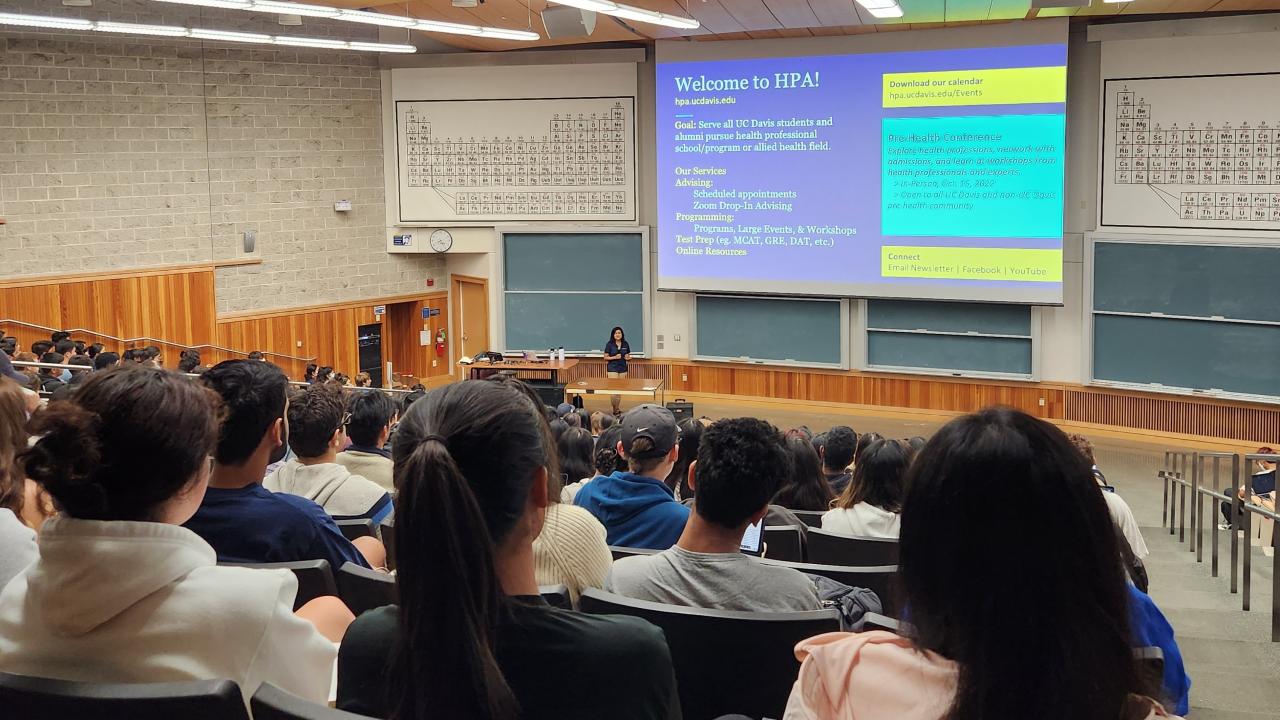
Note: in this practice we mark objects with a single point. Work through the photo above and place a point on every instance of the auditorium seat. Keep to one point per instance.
(784, 543)
(272, 703)
(881, 579)
(356, 528)
(812, 518)
(876, 621)
(725, 661)
(32, 698)
(827, 548)
(1150, 664)
(556, 596)
(362, 589)
(315, 579)
(621, 552)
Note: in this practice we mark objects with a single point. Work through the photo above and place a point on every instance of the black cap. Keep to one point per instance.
(653, 422)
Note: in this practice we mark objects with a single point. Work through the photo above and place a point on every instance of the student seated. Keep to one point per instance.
(837, 450)
(243, 521)
(1121, 515)
(871, 502)
(17, 534)
(372, 415)
(636, 508)
(121, 592)
(471, 637)
(805, 488)
(1029, 617)
(1264, 488)
(605, 461)
(740, 464)
(318, 420)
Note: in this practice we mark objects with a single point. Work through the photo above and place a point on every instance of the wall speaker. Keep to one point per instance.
(561, 21)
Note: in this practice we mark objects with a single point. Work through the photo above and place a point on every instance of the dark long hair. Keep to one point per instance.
(575, 448)
(690, 438)
(1033, 608)
(877, 477)
(127, 441)
(614, 330)
(807, 488)
(465, 459)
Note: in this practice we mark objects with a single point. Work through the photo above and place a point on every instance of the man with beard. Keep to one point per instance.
(243, 521)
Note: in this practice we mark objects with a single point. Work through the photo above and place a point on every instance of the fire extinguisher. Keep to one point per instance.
(440, 343)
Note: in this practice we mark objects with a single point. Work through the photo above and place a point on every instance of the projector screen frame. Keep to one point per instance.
(1047, 31)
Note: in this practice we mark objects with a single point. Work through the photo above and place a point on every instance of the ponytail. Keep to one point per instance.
(63, 461)
(465, 460)
(443, 666)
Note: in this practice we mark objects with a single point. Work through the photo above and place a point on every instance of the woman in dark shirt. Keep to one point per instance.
(471, 637)
(617, 352)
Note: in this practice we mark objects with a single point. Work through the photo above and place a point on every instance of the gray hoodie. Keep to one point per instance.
(332, 487)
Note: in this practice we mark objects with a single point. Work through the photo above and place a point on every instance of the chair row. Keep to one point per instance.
(822, 547)
(881, 579)
(362, 589)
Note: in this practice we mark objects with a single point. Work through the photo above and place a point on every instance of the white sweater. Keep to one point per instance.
(17, 546)
(862, 520)
(571, 549)
(135, 602)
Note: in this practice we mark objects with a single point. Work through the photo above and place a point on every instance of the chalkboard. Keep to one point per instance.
(950, 352)
(568, 261)
(567, 289)
(774, 329)
(1241, 283)
(949, 317)
(1191, 354)
(579, 322)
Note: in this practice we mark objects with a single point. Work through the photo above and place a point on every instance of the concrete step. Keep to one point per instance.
(1212, 653)
(1252, 692)
(1254, 627)
(1203, 713)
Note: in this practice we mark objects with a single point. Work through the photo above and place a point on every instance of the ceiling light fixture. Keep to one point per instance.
(277, 7)
(57, 23)
(882, 9)
(631, 12)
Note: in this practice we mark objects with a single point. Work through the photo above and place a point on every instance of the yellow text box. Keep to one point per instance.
(997, 86)
(951, 263)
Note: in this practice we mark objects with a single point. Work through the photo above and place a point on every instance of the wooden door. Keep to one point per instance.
(471, 308)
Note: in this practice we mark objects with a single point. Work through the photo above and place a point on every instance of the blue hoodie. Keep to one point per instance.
(1150, 629)
(636, 511)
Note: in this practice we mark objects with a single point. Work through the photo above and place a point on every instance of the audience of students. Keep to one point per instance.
(678, 479)
(372, 416)
(837, 447)
(242, 520)
(604, 460)
(740, 464)
(575, 448)
(471, 637)
(120, 592)
(318, 421)
(636, 507)
(871, 504)
(600, 422)
(806, 487)
(997, 630)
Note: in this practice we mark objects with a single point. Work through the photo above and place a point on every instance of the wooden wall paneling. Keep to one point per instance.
(405, 322)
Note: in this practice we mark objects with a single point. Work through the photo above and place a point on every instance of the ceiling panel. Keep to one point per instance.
(835, 13)
(793, 13)
(752, 14)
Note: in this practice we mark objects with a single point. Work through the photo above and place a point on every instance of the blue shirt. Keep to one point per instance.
(254, 525)
(636, 511)
(1149, 628)
(611, 348)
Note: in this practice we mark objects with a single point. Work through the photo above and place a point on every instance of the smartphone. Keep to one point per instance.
(753, 539)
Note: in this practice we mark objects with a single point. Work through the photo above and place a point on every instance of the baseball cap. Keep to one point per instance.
(564, 409)
(653, 422)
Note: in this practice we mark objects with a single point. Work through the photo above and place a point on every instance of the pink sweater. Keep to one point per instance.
(873, 676)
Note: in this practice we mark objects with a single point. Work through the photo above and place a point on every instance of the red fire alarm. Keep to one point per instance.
(431, 282)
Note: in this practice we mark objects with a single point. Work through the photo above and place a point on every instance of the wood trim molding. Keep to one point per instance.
(303, 309)
(91, 276)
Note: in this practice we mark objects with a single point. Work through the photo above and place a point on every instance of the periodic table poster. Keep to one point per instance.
(1192, 152)
(481, 161)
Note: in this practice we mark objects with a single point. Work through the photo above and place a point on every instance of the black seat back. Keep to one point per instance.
(1150, 665)
(32, 698)
(356, 528)
(881, 579)
(556, 596)
(828, 548)
(315, 579)
(784, 543)
(363, 589)
(272, 703)
(812, 518)
(620, 552)
(725, 661)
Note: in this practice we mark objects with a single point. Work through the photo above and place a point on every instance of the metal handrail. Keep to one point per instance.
(170, 343)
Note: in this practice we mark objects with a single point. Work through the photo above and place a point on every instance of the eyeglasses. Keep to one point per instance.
(346, 420)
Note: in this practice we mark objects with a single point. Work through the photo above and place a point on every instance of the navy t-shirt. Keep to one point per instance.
(254, 525)
(611, 348)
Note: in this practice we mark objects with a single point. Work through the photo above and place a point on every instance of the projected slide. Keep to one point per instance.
(935, 174)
